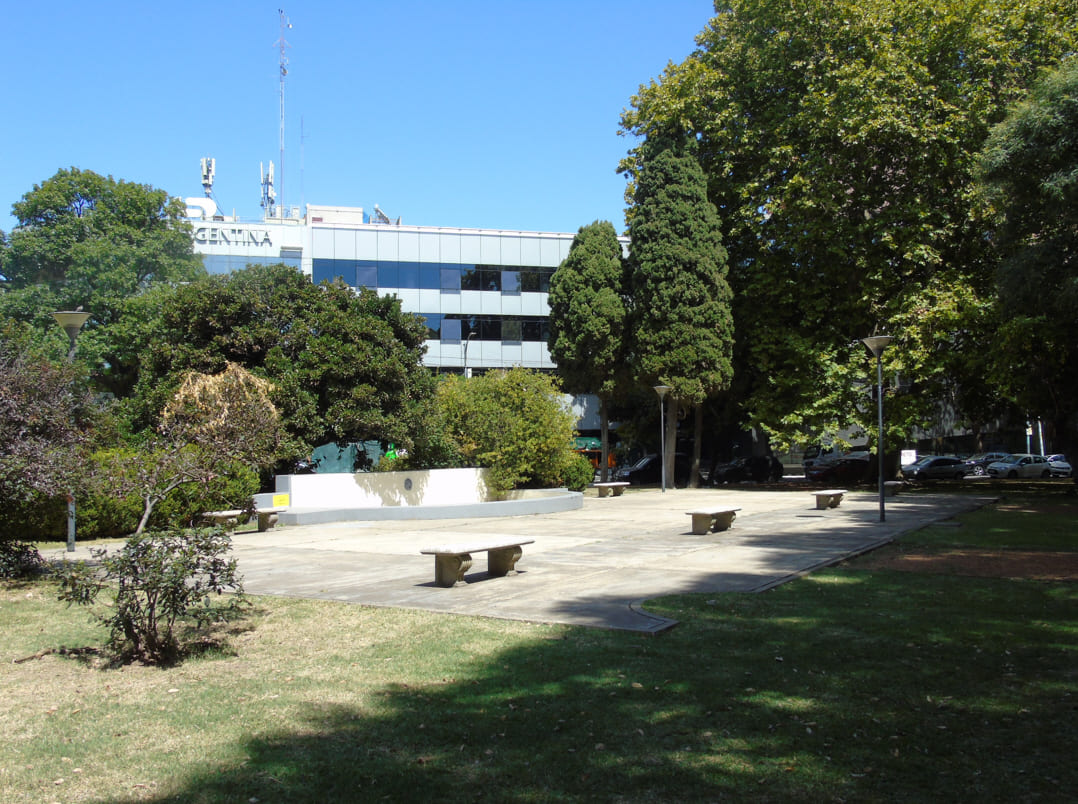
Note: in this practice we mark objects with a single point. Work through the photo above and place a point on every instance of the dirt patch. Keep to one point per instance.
(1030, 565)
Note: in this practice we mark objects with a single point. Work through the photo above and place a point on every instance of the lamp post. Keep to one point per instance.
(71, 322)
(662, 391)
(876, 344)
(468, 340)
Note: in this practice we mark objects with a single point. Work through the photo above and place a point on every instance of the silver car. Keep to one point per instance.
(1021, 464)
(1060, 465)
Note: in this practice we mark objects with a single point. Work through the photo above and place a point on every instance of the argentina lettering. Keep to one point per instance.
(214, 235)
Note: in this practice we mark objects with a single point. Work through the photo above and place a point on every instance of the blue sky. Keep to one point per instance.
(475, 113)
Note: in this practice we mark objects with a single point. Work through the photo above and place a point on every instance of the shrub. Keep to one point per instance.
(165, 585)
(578, 473)
(20, 560)
(515, 423)
(112, 503)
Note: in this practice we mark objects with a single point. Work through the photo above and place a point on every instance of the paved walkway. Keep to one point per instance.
(596, 566)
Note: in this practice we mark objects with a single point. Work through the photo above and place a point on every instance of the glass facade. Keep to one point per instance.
(446, 277)
(482, 292)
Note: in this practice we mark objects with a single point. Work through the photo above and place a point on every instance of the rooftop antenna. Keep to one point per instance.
(209, 167)
(269, 195)
(282, 46)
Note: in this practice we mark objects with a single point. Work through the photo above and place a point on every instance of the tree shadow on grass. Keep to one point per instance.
(843, 686)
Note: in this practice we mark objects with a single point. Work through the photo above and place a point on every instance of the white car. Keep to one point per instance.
(1021, 465)
(1060, 465)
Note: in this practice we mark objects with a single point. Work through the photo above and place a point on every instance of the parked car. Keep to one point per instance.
(1059, 466)
(649, 470)
(760, 468)
(978, 464)
(816, 455)
(934, 467)
(732, 472)
(846, 471)
(1021, 464)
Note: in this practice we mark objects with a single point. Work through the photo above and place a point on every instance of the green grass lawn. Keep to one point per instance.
(847, 685)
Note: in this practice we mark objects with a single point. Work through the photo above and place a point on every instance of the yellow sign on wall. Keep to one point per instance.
(280, 500)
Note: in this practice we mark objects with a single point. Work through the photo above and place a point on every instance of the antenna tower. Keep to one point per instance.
(282, 46)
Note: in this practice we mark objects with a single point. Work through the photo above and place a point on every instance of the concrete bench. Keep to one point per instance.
(267, 517)
(892, 487)
(714, 519)
(451, 561)
(829, 498)
(615, 486)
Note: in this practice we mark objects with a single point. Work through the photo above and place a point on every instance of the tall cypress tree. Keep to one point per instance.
(682, 328)
(587, 319)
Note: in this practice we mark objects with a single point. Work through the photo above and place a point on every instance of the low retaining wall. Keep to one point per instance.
(430, 494)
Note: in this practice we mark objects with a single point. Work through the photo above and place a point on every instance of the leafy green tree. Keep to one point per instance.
(838, 140)
(344, 366)
(210, 424)
(587, 320)
(682, 329)
(1030, 170)
(91, 241)
(514, 423)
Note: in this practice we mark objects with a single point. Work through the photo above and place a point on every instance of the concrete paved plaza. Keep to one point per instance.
(595, 566)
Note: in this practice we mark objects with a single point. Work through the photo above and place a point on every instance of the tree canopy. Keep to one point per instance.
(344, 366)
(1030, 171)
(838, 140)
(93, 242)
(588, 338)
(682, 329)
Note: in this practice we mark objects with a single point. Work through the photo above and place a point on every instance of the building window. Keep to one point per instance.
(366, 274)
(511, 330)
(450, 280)
(511, 283)
(450, 330)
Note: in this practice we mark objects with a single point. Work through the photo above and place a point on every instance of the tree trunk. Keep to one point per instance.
(697, 437)
(604, 438)
(671, 440)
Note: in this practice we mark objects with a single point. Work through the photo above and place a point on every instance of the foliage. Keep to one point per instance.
(587, 319)
(92, 242)
(345, 367)
(165, 584)
(44, 414)
(210, 424)
(20, 560)
(515, 423)
(578, 473)
(682, 329)
(838, 142)
(1030, 172)
(113, 501)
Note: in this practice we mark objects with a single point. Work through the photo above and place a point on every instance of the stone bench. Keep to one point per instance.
(451, 561)
(714, 519)
(892, 487)
(615, 486)
(267, 517)
(829, 498)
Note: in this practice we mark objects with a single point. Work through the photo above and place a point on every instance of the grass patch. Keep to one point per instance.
(848, 685)
(1016, 522)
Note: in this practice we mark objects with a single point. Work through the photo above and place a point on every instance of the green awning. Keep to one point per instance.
(587, 442)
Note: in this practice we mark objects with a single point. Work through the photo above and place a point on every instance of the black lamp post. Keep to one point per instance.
(876, 344)
(71, 322)
(662, 391)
